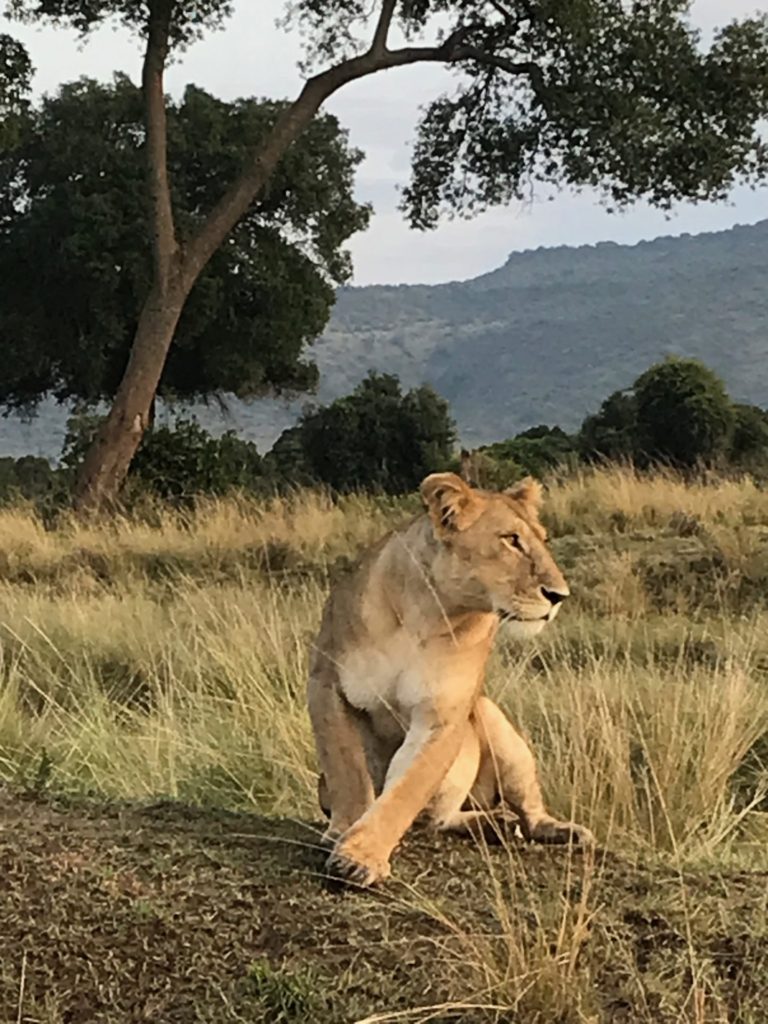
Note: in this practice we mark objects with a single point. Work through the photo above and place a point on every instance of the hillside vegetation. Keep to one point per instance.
(162, 657)
(542, 339)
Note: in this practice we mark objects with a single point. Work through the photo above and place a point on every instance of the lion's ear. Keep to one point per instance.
(451, 503)
(529, 492)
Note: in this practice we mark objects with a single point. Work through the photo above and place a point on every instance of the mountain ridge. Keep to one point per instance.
(542, 338)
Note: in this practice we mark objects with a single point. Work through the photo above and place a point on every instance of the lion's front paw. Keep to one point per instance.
(356, 859)
(561, 833)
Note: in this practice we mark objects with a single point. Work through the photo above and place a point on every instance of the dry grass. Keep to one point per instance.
(597, 499)
(219, 536)
(165, 654)
(144, 655)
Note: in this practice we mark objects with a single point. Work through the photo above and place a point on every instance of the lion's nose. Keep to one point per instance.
(554, 596)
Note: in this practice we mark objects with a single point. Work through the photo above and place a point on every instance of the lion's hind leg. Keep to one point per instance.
(507, 765)
(345, 787)
(484, 817)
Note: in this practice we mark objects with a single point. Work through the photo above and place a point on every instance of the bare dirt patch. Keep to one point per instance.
(169, 914)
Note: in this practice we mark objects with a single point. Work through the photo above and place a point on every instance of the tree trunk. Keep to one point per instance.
(107, 461)
(106, 464)
(176, 268)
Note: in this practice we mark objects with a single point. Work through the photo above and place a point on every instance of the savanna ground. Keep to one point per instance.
(158, 825)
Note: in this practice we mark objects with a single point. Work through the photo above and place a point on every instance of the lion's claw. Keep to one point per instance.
(348, 870)
(350, 861)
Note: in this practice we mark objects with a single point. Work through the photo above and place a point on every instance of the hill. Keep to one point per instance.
(543, 338)
(551, 333)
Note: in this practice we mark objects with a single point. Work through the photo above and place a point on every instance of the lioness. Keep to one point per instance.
(400, 722)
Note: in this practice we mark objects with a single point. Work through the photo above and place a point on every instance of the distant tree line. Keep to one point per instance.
(677, 414)
(380, 438)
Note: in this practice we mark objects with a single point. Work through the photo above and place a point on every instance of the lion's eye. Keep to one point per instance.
(512, 540)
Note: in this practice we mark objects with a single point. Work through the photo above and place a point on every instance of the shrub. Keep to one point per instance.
(376, 439)
(749, 443)
(611, 433)
(185, 459)
(178, 461)
(677, 412)
(32, 479)
(684, 414)
(536, 452)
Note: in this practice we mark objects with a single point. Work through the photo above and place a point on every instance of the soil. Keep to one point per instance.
(171, 914)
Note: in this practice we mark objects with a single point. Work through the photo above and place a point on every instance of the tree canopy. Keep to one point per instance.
(678, 412)
(684, 414)
(77, 177)
(603, 93)
(188, 20)
(15, 79)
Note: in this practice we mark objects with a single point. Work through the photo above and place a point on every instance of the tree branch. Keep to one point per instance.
(164, 245)
(294, 119)
(512, 67)
(379, 44)
(502, 10)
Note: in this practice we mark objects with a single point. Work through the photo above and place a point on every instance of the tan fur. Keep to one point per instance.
(395, 691)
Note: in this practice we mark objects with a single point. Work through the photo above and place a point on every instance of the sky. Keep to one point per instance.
(252, 57)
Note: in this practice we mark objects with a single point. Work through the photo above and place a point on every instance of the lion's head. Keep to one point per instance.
(492, 551)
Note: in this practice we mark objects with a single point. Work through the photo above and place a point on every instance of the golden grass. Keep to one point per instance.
(198, 696)
(165, 653)
(155, 654)
(218, 534)
(594, 499)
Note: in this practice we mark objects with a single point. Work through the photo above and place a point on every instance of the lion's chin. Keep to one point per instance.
(523, 629)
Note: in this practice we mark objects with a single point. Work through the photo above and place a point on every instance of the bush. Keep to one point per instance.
(749, 443)
(178, 461)
(611, 433)
(376, 439)
(535, 452)
(684, 414)
(183, 460)
(677, 412)
(32, 479)
(287, 463)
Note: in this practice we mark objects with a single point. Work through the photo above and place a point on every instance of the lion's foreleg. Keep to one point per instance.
(413, 778)
(346, 785)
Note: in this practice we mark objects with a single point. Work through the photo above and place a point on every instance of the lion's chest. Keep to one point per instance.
(387, 684)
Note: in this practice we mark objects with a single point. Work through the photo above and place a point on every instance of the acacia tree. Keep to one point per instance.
(76, 175)
(601, 93)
